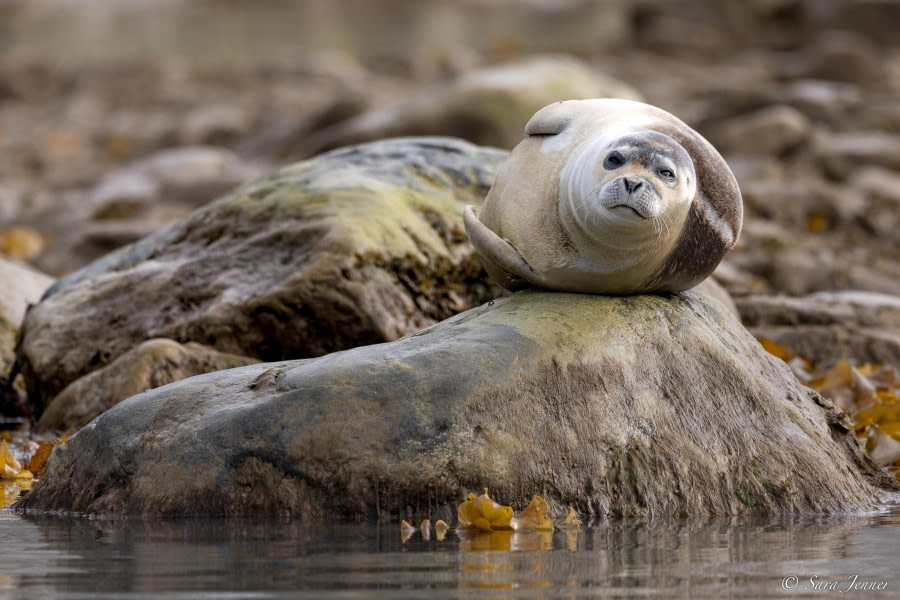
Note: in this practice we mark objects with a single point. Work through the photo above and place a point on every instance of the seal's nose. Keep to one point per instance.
(631, 184)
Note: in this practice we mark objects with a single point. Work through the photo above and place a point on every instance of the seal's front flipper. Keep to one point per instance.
(501, 260)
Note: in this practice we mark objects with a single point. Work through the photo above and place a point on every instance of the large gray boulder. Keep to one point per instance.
(639, 405)
(358, 246)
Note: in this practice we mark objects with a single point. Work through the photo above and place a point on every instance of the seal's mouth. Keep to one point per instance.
(627, 210)
(630, 198)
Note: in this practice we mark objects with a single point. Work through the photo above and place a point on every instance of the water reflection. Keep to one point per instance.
(89, 558)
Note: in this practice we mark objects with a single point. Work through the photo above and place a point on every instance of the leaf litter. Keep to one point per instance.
(868, 393)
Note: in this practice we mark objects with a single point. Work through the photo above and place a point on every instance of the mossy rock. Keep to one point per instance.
(357, 246)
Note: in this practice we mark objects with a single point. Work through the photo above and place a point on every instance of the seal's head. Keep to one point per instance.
(608, 196)
(632, 189)
(645, 173)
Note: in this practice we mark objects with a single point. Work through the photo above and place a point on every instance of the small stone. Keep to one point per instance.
(149, 365)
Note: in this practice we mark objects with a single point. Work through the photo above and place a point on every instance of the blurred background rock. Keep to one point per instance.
(117, 117)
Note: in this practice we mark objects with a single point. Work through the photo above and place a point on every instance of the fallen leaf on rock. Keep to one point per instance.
(534, 517)
(837, 384)
(571, 521)
(38, 462)
(482, 513)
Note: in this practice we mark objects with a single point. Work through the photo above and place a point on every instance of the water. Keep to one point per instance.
(54, 557)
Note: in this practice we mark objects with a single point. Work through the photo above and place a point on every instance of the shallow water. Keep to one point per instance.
(52, 557)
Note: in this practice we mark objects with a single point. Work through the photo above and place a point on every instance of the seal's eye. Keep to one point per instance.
(614, 160)
(667, 174)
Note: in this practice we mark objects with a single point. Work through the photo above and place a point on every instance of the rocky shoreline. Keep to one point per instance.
(184, 245)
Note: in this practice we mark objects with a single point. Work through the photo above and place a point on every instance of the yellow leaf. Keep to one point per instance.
(7, 472)
(837, 384)
(892, 429)
(406, 531)
(24, 474)
(571, 519)
(9, 461)
(21, 243)
(483, 513)
(817, 222)
(776, 349)
(534, 516)
(440, 528)
(38, 462)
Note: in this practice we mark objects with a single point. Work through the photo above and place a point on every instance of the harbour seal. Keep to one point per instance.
(607, 197)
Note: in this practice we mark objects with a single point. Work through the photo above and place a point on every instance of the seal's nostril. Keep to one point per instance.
(631, 184)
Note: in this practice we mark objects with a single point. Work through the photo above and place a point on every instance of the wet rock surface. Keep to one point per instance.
(619, 406)
(358, 246)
